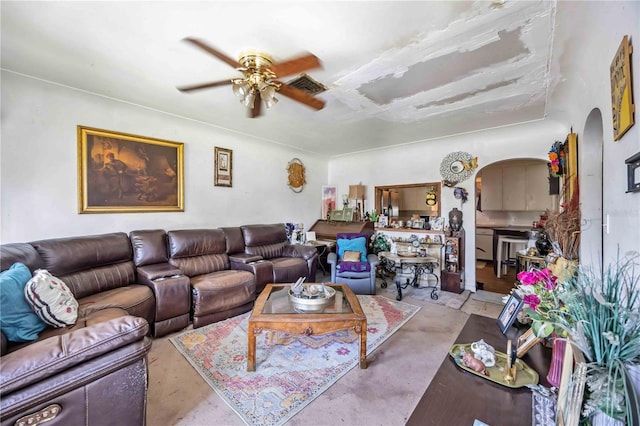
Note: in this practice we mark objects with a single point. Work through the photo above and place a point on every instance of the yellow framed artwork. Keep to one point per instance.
(622, 106)
(124, 173)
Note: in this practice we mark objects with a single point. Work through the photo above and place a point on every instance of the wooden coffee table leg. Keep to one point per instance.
(251, 348)
(363, 343)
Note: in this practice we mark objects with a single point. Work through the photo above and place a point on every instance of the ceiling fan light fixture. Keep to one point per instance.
(240, 88)
(249, 99)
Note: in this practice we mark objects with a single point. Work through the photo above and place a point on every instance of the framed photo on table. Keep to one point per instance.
(526, 342)
(125, 173)
(223, 167)
(509, 312)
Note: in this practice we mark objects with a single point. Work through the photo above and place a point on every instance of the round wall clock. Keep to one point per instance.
(457, 166)
(296, 175)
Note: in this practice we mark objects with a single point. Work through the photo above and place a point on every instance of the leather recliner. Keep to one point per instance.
(269, 244)
(217, 291)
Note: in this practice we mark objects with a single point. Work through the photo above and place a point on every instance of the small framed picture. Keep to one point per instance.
(526, 342)
(336, 215)
(418, 224)
(223, 167)
(347, 214)
(509, 312)
(383, 221)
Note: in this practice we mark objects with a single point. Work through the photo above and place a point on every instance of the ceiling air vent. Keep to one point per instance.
(307, 84)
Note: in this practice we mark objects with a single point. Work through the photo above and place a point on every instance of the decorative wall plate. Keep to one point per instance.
(296, 175)
(457, 166)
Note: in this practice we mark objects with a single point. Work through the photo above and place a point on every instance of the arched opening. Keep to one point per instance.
(511, 195)
(590, 178)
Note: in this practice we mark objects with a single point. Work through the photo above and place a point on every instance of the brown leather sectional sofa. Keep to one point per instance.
(130, 287)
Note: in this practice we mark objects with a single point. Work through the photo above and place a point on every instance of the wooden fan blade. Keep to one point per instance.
(300, 96)
(256, 110)
(204, 85)
(295, 65)
(202, 45)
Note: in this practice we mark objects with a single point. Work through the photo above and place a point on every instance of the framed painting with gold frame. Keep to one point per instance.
(223, 174)
(125, 173)
(622, 106)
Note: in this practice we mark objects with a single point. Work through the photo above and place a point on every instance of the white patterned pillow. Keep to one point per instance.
(51, 299)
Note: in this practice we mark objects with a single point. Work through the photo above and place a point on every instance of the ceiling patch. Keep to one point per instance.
(445, 69)
(463, 96)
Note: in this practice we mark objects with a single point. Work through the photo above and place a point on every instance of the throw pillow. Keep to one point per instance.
(51, 299)
(354, 244)
(351, 256)
(17, 320)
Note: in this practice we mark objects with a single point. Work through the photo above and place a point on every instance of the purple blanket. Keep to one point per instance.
(354, 267)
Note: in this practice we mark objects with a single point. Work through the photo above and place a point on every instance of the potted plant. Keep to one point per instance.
(601, 317)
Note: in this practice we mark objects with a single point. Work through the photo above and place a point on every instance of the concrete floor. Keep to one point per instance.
(384, 394)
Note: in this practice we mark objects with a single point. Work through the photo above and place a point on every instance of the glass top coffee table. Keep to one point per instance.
(274, 310)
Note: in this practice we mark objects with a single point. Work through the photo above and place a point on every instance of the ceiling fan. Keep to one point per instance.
(259, 83)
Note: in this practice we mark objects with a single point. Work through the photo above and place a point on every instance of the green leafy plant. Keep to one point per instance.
(602, 320)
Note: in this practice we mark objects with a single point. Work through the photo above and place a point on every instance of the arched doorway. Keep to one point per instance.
(590, 177)
(510, 196)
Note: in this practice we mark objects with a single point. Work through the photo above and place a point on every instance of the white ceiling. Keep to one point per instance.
(396, 72)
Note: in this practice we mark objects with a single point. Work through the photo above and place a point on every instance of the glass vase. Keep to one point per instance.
(557, 355)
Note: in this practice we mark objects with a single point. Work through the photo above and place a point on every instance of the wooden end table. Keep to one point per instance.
(273, 311)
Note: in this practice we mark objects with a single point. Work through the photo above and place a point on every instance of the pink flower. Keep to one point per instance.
(528, 277)
(532, 300)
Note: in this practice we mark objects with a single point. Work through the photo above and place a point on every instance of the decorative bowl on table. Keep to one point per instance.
(314, 298)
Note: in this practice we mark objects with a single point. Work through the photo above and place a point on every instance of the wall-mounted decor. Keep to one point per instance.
(123, 173)
(633, 173)
(223, 174)
(296, 179)
(457, 167)
(622, 106)
(329, 200)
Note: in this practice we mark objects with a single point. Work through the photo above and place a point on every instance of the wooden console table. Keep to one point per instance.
(457, 397)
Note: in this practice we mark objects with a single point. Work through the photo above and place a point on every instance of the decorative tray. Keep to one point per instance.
(312, 299)
(525, 375)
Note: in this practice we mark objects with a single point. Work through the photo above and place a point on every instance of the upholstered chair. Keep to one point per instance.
(352, 263)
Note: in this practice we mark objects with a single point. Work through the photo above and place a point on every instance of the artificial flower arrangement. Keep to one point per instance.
(540, 291)
(556, 158)
(601, 317)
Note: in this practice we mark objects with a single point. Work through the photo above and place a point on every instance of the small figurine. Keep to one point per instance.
(474, 364)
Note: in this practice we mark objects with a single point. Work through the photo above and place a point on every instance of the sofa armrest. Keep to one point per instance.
(262, 270)
(51, 356)
(299, 250)
(244, 258)
(149, 273)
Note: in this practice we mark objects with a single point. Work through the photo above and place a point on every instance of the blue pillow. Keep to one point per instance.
(17, 320)
(359, 244)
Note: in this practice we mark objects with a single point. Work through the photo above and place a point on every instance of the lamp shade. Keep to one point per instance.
(356, 192)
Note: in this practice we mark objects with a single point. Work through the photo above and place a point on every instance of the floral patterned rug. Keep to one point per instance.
(291, 370)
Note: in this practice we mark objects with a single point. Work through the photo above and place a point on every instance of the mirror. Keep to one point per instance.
(402, 201)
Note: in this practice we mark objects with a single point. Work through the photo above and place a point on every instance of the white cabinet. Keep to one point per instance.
(484, 244)
(491, 189)
(537, 196)
(522, 187)
(513, 188)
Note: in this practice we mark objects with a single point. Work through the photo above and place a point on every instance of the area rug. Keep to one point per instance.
(290, 370)
(446, 298)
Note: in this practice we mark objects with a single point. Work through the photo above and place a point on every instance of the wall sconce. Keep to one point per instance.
(356, 192)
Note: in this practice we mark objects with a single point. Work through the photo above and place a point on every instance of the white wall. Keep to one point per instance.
(420, 162)
(38, 158)
(600, 27)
